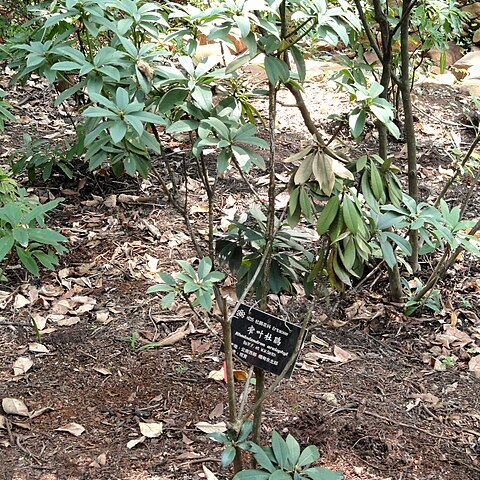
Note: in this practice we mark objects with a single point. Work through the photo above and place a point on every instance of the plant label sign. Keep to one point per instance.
(265, 341)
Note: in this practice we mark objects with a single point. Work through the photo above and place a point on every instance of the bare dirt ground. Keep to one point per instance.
(399, 404)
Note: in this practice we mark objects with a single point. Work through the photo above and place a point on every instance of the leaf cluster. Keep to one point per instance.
(189, 282)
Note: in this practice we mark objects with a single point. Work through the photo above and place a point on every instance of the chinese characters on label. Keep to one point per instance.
(263, 340)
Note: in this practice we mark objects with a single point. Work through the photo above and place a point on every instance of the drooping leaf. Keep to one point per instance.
(323, 171)
(328, 215)
(309, 455)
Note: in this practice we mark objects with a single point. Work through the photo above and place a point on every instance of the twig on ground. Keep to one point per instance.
(406, 425)
(441, 120)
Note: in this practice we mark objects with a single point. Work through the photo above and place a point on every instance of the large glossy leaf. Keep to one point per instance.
(227, 456)
(328, 215)
(351, 215)
(293, 449)
(251, 475)
(262, 458)
(319, 473)
(280, 449)
(309, 455)
(277, 70)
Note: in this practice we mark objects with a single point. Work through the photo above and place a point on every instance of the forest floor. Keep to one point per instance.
(383, 396)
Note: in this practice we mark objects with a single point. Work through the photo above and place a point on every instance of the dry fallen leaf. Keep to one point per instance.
(217, 411)
(110, 201)
(174, 337)
(20, 301)
(474, 365)
(343, 355)
(209, 475)
(3, 422)
(211, 427)
(39, 321)
(22, 365)
(427, 397)
(240, 375)
(135, 442)
(37, 348)
(74, 428)
(102, 370)
(40, 411)
(199, 347)
(102, 317)
(217, 375)
(13, 406)
(151, 430)
(318, 341)
(453, 337)
(68, 321)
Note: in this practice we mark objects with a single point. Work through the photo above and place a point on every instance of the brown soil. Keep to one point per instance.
(387, 413)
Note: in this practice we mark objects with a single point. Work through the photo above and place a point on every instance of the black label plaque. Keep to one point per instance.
(262, 340)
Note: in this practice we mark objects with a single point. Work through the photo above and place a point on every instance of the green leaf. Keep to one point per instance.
(48, 260)
(191, 287)
(376, 181)
(356, 122)
(403, 243)
(167, 278)
(277, 70)
(328, 215)
(187, 267)
(6, 244)
(46, 236)
(299, 62)
(388, 253)
(160, 287)
(262, 458)
(173, 97)
(351, 215)
(20, 234)
(280, 475)
(243, 24)
(219, 437)
(237, 63)
(280, 449)
(306, 204)
(215, 277)
(182, 126)
(228, 456)
(251, 475)
(293, 449)
(245, 431)
(309, 455)
(204, 267)
(205, 299)
(168, 300)
(382, 113)
(393, 129)
(203, 97)
(118, 131)
(28, 261)
(319, 473)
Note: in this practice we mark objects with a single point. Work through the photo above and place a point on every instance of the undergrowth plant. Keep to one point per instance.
(24, 235)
